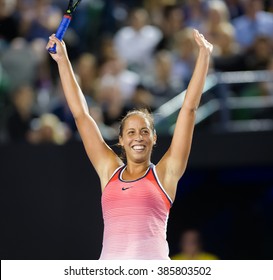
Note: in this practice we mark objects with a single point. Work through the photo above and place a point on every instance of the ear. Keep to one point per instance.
(155, 138)
(120, 141)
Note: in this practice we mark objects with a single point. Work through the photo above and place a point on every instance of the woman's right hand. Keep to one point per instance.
(61, 52)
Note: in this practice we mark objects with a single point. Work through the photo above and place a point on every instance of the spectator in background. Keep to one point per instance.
(195, 13)
(224, 41)
(235, 8)
(38, 19)
(191, 247)
(227, 55)
(125, 79)
(155, 8)
(136, 43)
(59, 107)
(21, 114)
(110, 99)
(257, 57)
(86, 69)
(9, 27)
(87, 27)
(184, 55)
(107, 132)
(48, 129)
(255, 22)
(107, 50)
(44, 82)
(172, 22)
(20, 63)
(217, 13)
(142, 98)
(163, 83)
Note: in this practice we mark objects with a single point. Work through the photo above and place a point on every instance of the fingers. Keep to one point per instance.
(200, 36)
(52, 41)
(197, 34)
(201, 40)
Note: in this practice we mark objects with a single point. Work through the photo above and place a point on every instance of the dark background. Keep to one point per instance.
(50, 198)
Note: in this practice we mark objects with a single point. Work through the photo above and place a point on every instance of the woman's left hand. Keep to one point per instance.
(202, 42)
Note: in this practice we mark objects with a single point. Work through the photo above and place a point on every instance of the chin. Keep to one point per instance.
(140, 159)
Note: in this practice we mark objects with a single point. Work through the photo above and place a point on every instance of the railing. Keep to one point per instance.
(222, 102)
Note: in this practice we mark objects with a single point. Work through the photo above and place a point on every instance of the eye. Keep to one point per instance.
(130, 132)
(145, 131)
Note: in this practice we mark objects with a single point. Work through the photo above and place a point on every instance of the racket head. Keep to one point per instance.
(72, 5)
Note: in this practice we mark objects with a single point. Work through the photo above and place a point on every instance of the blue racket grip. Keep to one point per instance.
(61, 31)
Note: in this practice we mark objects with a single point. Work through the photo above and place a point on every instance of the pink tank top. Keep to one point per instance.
(135, 217)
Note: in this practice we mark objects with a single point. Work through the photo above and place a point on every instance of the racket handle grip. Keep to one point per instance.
(61, 31)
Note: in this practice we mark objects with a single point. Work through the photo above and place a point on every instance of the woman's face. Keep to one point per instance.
(137, 139)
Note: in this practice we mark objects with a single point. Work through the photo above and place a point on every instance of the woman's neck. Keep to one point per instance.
(135, 170)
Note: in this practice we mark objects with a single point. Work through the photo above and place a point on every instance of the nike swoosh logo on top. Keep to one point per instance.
(126, 188)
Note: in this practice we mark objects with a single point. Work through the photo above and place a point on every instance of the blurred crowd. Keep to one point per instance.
(190, 247)
(126, 54)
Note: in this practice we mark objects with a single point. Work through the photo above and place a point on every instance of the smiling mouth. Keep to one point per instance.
(138, 148)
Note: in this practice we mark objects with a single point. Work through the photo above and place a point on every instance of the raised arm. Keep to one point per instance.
(173, 164)
(104, 160)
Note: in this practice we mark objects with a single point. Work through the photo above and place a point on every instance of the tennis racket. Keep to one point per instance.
(72, 5)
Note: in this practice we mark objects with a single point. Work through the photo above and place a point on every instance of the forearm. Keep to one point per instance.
(74, 96)
(196, 85)
(175, 160)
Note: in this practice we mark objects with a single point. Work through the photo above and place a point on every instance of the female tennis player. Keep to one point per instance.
(136, 195)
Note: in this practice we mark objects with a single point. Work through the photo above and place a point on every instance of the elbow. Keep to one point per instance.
(190, 106)
(191, 110)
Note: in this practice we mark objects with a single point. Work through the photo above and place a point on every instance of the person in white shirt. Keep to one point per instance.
(135, 43)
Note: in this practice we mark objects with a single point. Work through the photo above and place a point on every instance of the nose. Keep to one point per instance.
(139, 137)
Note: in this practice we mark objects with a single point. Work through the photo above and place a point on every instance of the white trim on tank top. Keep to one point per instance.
(160, 185)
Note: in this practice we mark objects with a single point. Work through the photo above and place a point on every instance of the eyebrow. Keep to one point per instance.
(146, 127)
